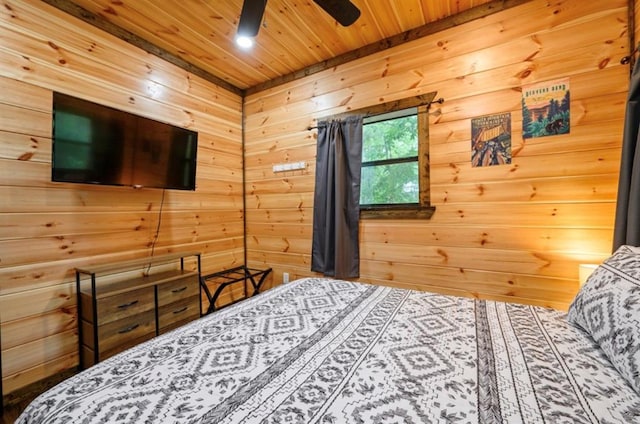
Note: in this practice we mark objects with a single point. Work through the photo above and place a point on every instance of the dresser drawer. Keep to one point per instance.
(175, 314)
(113, 308)
(115, 334)
(178, 290)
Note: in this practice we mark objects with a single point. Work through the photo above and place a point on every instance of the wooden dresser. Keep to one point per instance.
(125, 303)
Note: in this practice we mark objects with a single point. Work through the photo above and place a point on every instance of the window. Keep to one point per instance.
(390, 174)
(395, 169)
(395, 158)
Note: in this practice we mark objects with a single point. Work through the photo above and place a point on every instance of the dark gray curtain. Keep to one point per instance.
(627, 224)
(336, 210)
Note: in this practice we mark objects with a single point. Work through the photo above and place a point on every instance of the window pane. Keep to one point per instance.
(390, 184)
(391, 139)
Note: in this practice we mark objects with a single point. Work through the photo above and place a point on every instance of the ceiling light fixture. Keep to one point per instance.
(244, 42)
(250, 20)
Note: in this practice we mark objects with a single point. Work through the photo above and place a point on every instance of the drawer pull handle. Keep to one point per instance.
(181, 310)
(179, 290)
(129, 329)
(126, 305)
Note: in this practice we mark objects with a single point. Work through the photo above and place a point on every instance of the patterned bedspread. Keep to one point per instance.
(328, 351)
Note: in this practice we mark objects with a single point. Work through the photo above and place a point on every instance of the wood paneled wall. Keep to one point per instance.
(513, 232)
(47, 229)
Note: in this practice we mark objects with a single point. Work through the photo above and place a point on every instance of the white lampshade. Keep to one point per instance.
(584, 271)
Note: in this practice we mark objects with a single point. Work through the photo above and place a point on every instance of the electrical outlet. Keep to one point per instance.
(285, 277)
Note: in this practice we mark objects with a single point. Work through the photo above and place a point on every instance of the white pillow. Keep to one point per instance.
(607, 307)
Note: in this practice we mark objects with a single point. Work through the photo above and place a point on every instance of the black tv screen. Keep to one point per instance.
(96, 144)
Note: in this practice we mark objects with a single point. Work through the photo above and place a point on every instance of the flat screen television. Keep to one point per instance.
(95, 144)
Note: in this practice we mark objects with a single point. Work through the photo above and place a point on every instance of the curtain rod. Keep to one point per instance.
(439, 101)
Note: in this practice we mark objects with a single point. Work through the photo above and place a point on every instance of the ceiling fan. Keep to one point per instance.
(342, 11)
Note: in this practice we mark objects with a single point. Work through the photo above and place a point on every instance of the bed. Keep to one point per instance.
(328, 351)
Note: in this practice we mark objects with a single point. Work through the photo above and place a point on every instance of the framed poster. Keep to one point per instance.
(546, 109)
(491, 140)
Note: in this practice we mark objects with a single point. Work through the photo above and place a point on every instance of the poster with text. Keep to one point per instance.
(545, 109)
(491, 140)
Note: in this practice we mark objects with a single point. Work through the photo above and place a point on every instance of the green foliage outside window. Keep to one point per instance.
(390, 173)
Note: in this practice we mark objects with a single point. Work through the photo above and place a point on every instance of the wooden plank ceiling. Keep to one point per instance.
(297, 36)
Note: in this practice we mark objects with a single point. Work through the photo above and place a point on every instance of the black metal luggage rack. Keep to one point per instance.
(230, 276)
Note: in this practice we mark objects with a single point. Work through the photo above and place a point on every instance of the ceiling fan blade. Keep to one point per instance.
(342, 11)
(251, 17)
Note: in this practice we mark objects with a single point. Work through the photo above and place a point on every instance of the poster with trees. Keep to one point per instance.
(545, 108)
